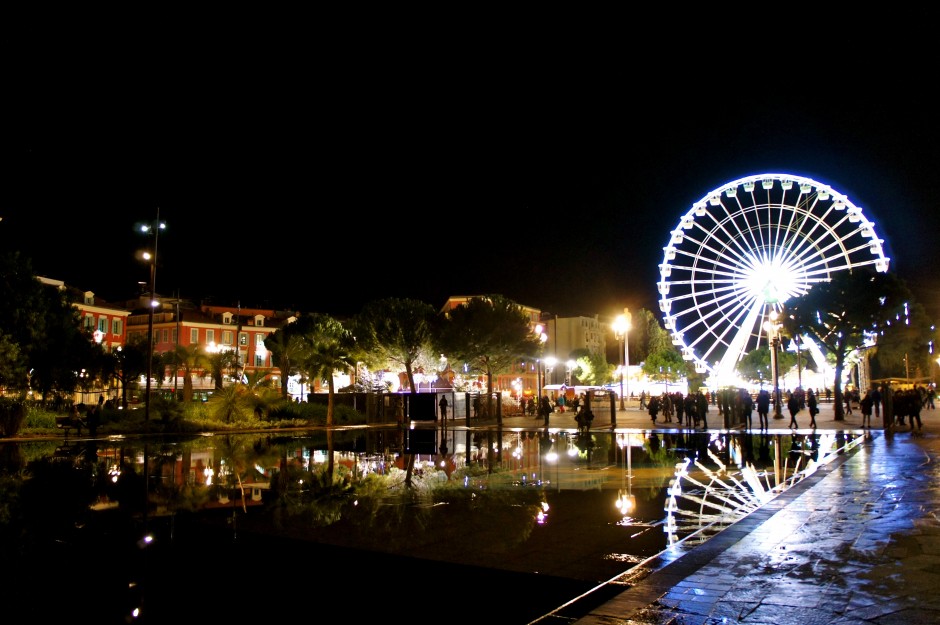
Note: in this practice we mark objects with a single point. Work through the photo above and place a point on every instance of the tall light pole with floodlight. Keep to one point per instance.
(154, 230)
(542, 337)
(621, 328)
(773, 333)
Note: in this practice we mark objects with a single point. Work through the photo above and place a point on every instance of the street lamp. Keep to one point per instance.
(538, 363)
(773, 333)
(152, 229)
(550, 362)
(621, 327)
(799, 365)
(569, 366)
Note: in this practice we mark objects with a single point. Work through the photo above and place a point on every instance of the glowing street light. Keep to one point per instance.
(151, 257)
(621, 327)
(569, 367)
(773, 334)
(542, 337)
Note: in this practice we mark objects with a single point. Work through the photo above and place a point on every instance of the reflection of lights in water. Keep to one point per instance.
(552, 455)
(542, 517)
(716, 498)
(626, 501)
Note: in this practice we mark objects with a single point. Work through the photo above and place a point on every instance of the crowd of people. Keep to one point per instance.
(738, 405)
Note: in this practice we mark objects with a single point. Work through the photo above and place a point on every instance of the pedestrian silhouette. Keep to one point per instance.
(443, 405)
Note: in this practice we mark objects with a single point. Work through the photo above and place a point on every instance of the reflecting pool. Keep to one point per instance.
(371, 523)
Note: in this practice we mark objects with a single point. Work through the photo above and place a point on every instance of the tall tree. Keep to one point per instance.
(287, 349)
(44, 326)
(127, 364)
(838, 314)
(489, 334)
(330, 347)
(905, 350)
(396, 331)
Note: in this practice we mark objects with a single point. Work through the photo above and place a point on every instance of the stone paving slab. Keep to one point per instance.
(856, 542)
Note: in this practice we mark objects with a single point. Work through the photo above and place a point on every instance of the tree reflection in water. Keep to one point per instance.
(533, 509)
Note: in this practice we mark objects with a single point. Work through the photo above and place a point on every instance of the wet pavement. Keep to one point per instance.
(858, 541)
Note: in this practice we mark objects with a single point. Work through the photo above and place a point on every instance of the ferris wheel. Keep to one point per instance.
(745, 248)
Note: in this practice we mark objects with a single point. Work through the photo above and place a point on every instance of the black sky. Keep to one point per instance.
(323, 190)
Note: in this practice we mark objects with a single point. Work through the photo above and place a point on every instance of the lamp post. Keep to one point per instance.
(550, 362)
(542, 337)
(153, 229)
(773, 333)
(799, 365)
(621, 327)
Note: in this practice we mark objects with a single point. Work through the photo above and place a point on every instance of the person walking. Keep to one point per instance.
(443, 406)
(545, 408)
(876, 403)
(763, 409)
(702, 403)
(666, 404)
(868, 401)
(793, 405)
(653, 407)
(691, 411)
(811, 403)
(747, 407)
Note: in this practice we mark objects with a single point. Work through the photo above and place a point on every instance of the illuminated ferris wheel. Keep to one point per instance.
(742, 250)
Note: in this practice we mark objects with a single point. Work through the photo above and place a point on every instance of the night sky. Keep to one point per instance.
(323, 191)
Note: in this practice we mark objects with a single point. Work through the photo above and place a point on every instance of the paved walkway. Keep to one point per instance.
(856, 542)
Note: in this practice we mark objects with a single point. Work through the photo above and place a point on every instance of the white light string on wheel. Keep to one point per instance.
(743, 250)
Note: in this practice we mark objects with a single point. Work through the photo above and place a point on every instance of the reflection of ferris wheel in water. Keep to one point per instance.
(743, 250)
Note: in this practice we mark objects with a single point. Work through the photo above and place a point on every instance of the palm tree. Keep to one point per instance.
(218, 363)
(287, 349)
(262, 394)
(328, 347)
(190, 358)
(229, 404)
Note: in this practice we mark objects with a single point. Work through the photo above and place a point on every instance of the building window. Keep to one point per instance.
(259, 339)
(89, 323)
(210, 337)
(194, 336)
(166, 335)
(243, 338)
(116, 327)
(259, 361)
(226, 337)
(103, 325)
(173, 335)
